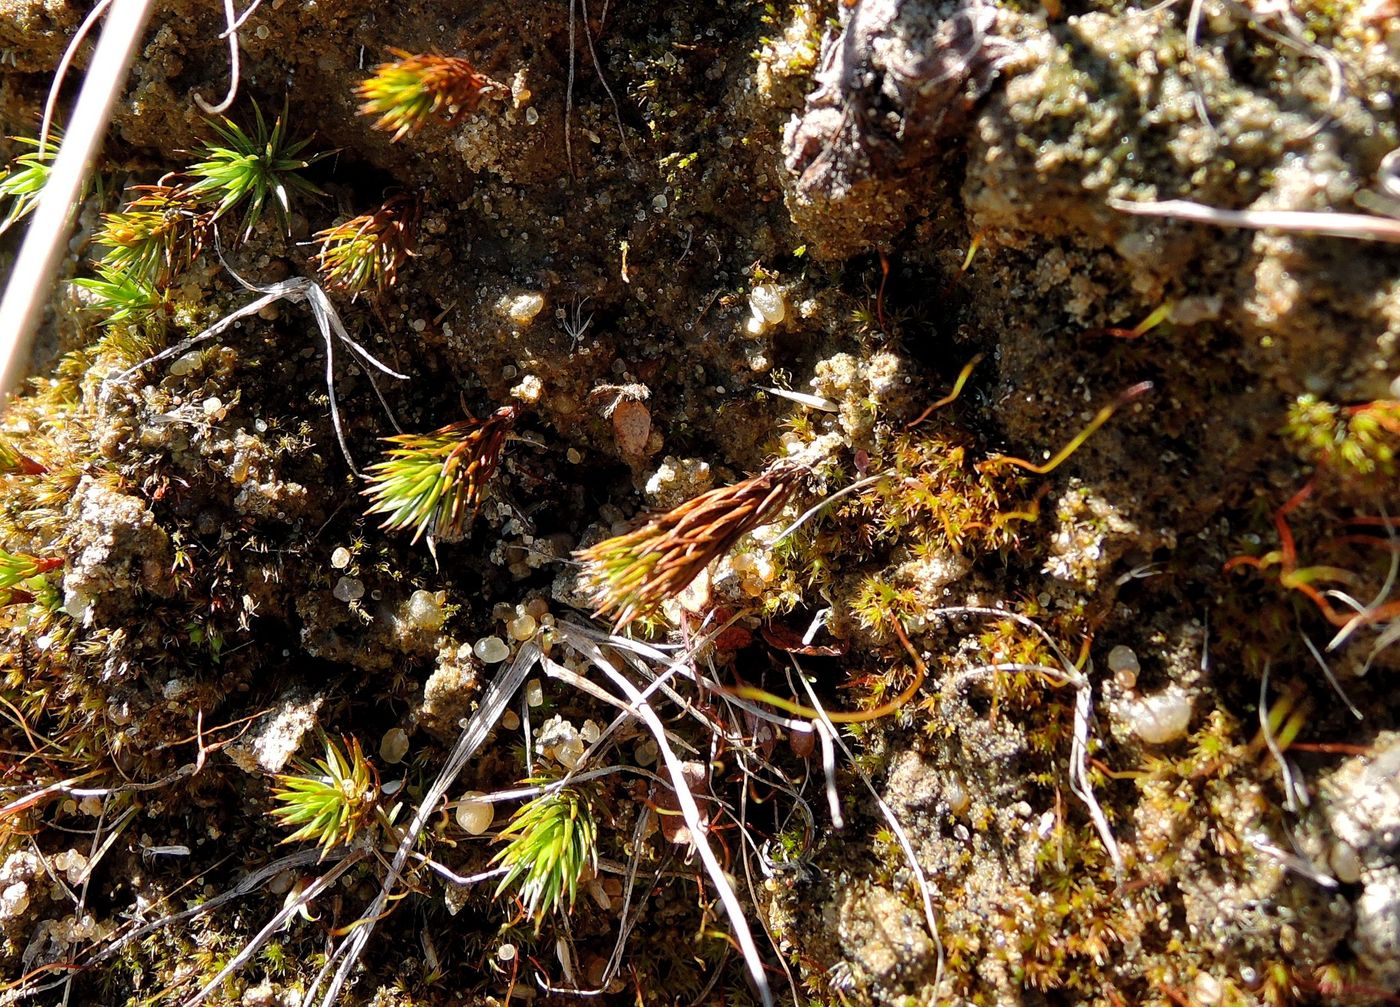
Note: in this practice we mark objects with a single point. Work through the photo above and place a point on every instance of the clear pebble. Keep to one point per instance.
(1122, 658)
(570, 752)
(1161, 718)
(394, 745)
(1346, 863)
(1124, 665)
(532, 116)
(957, 797)
(534, 693)
(590, 731)
(474, 817)
(767, 303)
(491, 649)
(510, 720)
(522, 627)
(348, 589)
(212, 405)
(14, 900)
(185, 364)
(523, 308)
(425, 610)
(506, 952)
(340, 559)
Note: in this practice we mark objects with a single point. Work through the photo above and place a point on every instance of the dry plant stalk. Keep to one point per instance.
(631, 574)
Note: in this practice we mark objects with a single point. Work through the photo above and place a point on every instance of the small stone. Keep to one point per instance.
(394, 745)
(1124, 665)
(1162, 718)
(340, 559)
(491, 649)
(631, 422)
(212, 405)
(570, 752)
(767, 303)
(1345, 862)
(14, 900)
(474, 817)
(534, 693)
(521, 628)
(348, 589)
(532, 116)
(425, 611)
(523, 308)
(185, 364)
(510, 720)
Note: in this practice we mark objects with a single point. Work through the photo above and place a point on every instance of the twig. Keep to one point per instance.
(61, 72)
(46, 241)
(235, 21)
(297, 290)
(694, 823)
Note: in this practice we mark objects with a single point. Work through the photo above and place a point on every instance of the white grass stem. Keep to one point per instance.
(493, 704)
(69, 54)
(898, 829)
(1336, 225)
(694, 823)
(46, 240)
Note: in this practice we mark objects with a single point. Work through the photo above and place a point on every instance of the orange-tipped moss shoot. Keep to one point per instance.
(433, 482)
(13, 461)
(155, 237)
(408, 92)
(364, 253)
(629, 575)
(19, 573)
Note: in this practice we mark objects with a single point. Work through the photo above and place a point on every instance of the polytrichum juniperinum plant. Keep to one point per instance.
(364, 253)
(20, 574)
(119, 297)
(414, 88)
(22, 182)
(628, 576)
(251, 167)
(433, 482)
(156, 236)
(330, 801)
(552, 841)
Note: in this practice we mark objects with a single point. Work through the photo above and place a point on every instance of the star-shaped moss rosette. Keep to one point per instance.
(630, 575)
(331, 800)
(414, 88)
(433, 482)
(251, 167)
